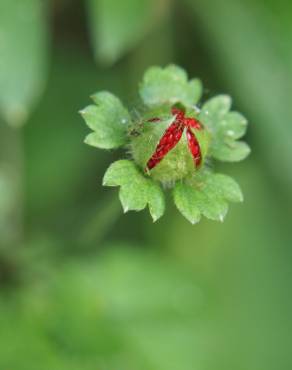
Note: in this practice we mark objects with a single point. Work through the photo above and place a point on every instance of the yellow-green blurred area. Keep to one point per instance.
(83, 286)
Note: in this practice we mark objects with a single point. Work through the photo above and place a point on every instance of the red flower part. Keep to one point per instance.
(192, 122)
(168, 141)
(194, 147)
(172, 136)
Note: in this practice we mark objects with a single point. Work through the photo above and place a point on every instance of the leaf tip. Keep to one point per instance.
(87, 140)
(195, 220)
(222, 217)
(94, 97)
(155, 217)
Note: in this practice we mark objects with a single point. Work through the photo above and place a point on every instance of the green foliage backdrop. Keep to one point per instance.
(83, 286)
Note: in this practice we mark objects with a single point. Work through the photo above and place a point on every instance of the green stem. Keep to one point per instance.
(11, 165)
(101, 221)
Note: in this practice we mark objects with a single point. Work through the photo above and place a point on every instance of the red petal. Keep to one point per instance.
(192, 122)
(178, 113)
(194, 147)
(168, 141)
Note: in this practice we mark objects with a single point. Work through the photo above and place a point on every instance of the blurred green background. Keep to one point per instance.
(83, 286)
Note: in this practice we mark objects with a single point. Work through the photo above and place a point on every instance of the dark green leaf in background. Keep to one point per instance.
(117, 26)
(127, 310)
(23, 57)
(8, 204)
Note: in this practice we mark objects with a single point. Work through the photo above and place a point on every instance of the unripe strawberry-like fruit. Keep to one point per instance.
(171, 147)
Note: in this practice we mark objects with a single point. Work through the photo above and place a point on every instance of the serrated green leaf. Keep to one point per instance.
(231, 151)
(109, 120)
(214, 110)
(131, 199)
(219, 185)
(234, 124)
(192, 202)
(23, 57)
(156, 201)
(211, 205)
(169, 85)
(227, 187)
(196, 90)
(136, 190)
(119, 173)
(186, 202)
(225, 127)
(206, 194)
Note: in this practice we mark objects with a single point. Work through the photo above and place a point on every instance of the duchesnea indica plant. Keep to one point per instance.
(170, 144)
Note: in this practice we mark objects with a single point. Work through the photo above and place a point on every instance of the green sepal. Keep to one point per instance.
(206, 194)
(108, 119)
(169, 85)
(136, 191)
(225, 128)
